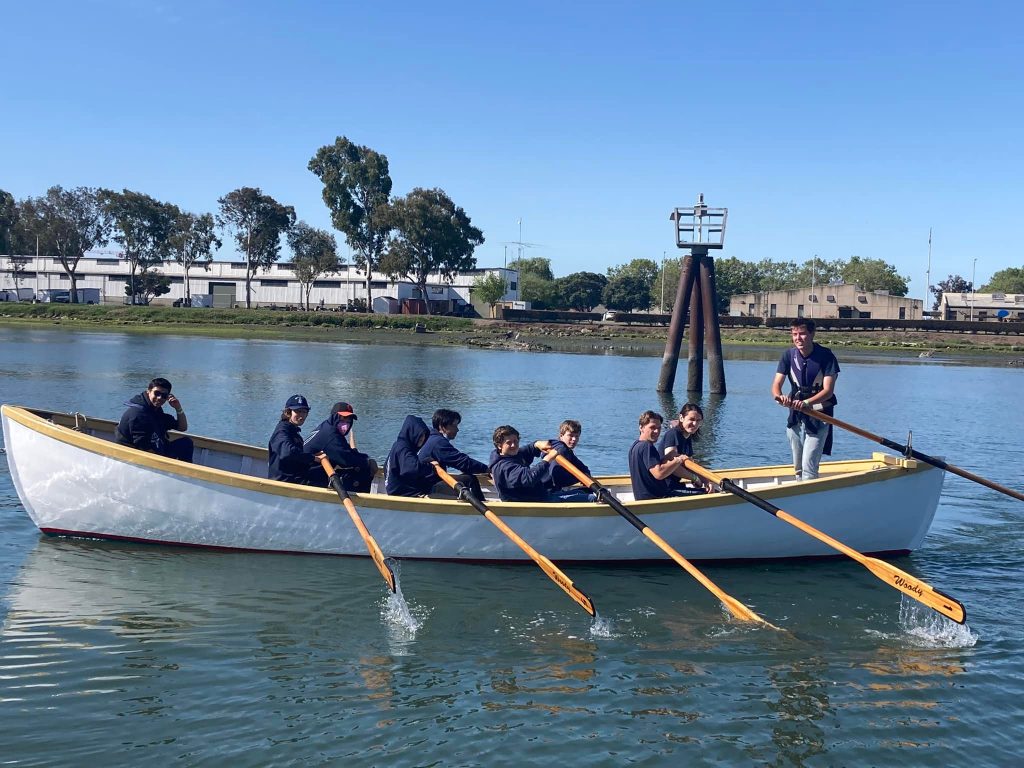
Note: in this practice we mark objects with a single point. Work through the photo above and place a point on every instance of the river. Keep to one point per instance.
(118, 654)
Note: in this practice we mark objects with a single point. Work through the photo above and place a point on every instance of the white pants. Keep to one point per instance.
(807, 449)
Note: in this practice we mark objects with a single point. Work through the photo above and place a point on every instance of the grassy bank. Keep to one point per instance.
(349, 326)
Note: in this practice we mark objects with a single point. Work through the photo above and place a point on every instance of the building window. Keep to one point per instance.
(108, 262)
(513, 286)
(238, 265)
(799, 310)
(830, 298)
(63, 276)
(903, 313)
(750, 309)
(862, 299)
(327, 283)
(274, 283)
(813, 298)
(773, 311)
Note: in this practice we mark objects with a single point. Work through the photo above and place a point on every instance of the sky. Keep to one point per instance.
(832, 128)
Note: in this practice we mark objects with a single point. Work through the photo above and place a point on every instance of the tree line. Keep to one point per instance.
(642, 284)
(410, 237)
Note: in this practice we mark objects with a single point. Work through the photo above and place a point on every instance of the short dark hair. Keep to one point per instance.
(502, 433)
(158, 382)
(445, 418)
(807, 322)
(648, 416)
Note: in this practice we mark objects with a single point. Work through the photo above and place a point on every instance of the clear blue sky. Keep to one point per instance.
(827, 128)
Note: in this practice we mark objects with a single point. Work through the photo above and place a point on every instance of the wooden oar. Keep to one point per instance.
(552, 570)
(371, 544)
(907, 450)
(890, 574)
(736, 608)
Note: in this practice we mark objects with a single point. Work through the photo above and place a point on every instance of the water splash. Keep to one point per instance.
(929, 629)
(395, 610)
(602, 627)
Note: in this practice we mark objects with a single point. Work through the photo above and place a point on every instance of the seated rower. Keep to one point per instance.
(569, 432)
(405, 474)
(144, 425)
(286, 460)
(331, 438)
(439, 448)
(649, 471)
(678, 438)
(517, 478)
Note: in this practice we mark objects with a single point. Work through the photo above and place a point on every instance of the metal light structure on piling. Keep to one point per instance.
(699, 229)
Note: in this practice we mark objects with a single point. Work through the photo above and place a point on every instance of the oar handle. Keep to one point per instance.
(906, 450)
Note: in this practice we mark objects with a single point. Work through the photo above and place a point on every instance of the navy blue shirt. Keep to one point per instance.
(287, 461)
(676, 438)
(440, 449)
(516, 480)
(144, 425)
(806, 377)
(560, 477)
(643, 455)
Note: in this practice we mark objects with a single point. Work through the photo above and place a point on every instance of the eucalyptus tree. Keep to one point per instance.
(258, 221)
(357, 191)
(144, 228)
(67, 223)
(432, 234)
(193, 242)
(315, 254)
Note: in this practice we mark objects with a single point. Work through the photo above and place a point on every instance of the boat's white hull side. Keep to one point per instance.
(70, 489)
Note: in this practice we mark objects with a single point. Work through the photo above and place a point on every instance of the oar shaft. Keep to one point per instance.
(371, 544)
(552, 571)
(907, 450)
(738, 609)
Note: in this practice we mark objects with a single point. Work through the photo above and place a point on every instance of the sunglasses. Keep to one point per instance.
(161, 394)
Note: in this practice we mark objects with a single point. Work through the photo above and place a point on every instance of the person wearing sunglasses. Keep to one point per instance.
(144, 425)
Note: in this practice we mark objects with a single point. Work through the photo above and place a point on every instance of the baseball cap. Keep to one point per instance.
(297, 403)
(344, 409)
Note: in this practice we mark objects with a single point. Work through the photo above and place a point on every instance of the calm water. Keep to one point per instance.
(124, 655)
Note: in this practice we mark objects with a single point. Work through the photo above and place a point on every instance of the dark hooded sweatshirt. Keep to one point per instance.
(516, 480)
(144, 426)
(560, 477)
(286, 459)
(405, 474)
(328, 439)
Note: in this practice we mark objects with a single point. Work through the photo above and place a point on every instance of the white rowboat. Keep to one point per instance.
(75, 481)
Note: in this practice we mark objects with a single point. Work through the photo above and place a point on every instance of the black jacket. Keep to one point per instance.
(517, 480)
(355, 466)
(287, 461)
(404, 473)
(144, 426)
(440, 449)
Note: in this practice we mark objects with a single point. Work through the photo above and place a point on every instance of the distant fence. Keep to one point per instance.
(728, 321)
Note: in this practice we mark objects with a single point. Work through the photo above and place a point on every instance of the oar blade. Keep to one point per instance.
(563, 581)
(924, 593)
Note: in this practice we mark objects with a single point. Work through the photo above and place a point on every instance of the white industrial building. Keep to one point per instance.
(223, 285)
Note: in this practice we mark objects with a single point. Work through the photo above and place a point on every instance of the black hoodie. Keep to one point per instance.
(144, 426)
(404, 473)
